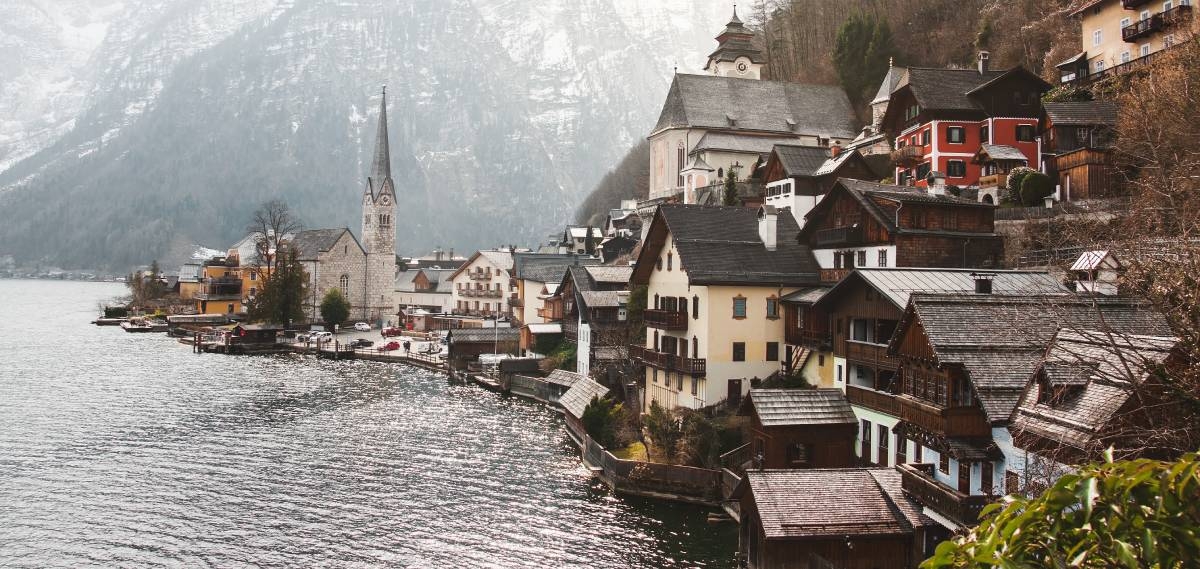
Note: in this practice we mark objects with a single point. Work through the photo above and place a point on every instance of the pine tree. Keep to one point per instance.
(861, 53)
(335, 309)
(730, 197)
(281, 298)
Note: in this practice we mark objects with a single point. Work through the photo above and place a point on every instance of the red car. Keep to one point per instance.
(390, 332)
(390, 346)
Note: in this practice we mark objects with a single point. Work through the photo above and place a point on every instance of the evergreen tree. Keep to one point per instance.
(281, 298)
(861, 52)
(730, 196)
(335, 308)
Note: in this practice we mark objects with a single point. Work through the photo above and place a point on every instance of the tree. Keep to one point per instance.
(665, 431)
(335, 309)
(1140, 513)
(861, 54)
(730, 196)
(281, 296)
(601, 419)
(272, 224)
(1035, 186)
(589, 245)
(145, 286)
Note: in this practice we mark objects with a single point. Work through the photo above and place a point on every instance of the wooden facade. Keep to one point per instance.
(801, 446)
(1087, 173)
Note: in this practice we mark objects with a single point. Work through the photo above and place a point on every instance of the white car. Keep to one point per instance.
(362, 326)
(321, 337)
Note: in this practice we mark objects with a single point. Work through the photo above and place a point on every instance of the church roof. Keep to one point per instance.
(733, 104)
(381, 164)
(309, 244)
(889, 83)
(735, 41)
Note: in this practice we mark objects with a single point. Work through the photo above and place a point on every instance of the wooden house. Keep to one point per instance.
(594, 300)
(800, 428)
(964, 363)
(995, 162)
(864, 224)
(797, 177)
(1079, 137)
(846, 518)
(469, 343)
(575, 399)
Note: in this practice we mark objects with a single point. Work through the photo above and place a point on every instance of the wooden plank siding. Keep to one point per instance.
(1091, 174)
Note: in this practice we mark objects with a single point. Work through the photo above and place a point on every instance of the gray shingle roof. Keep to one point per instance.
(1001, 152)
(601, 298)
(747, 143)
(946, 89)
(889, 83)
(832, 503)
(610, 274)
(545, 268)
(999, 339)
(1082, 113)
(1095, 365)
(790, 407)
(898, 284)
(564, 377)
(311, 242)
(486, 335)
(576, 399)
(706, 101)
(868, 194)
(800, 160)
(721, 245)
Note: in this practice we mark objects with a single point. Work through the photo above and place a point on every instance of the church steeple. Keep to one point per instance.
(736, 55)
(381, 165)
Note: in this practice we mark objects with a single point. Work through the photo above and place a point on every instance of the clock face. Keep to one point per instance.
(742, 67)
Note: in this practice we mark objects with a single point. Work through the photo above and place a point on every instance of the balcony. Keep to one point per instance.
(1133, 4)
(226, 288)
(993, 181)
(1156, 23)
(917, 481)
(908, 156)
(845, 235)
(834, 275)
(653, 358)
(666, 319)
(874, 354)
(480, 275)
(865, 397)
(571, 332)
(515, 302)
(550, 313)
(811, 338)
(947, 421)
(691, 366)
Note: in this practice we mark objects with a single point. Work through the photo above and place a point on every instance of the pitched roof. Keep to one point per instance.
(798, 160)
(999, 339)
(889, 83)
(735, 41)
(1082, 113)
(311, 242)
(1102, 369)
(564, 377)
(1091, 260)
(946, 89)
(381, 164)
(601, 298)
(736, 142)
(484, 335)
(791, 407)
(610, 274)
(1001, 152)
(709, 101)
(576, 399)
(546, 268)
(832, 503)
(721, 245)
(501, 259)
(898, 284)
(881, 201)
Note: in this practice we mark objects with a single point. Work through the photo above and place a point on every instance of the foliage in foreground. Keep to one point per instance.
(335, 309)
(280, 300)
(602, 421)
(1140, 513)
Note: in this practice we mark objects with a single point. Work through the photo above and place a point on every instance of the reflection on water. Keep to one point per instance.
(127, 449)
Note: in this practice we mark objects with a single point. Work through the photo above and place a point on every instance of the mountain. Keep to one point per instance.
(187, 114)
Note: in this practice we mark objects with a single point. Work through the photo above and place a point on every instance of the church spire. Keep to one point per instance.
(381, 166)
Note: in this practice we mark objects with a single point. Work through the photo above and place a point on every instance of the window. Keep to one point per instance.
(695, 308)
(860, 330)
(695, 385)
(772, 308)
(670, 260)
(883, 257)
(1144, 15)
(657, 302)
(1125, 56)
(956, 168)
(883, 435)
(253, 292)
(679, 382)
(820, 360)
(1099, 65)
(1167, 5)
(925, 137)
(344, 283)
(679, 156)
(772, 351)
(654, 375)
(658, 264)
(1168, 40)
(253, 275)
(1025, 133)
(1097, 37)
(739, 307)
(695, 347)
(1124, 23)
(923, 171)
(1144, 50)
(956, 135)
(866, 440)
(944, 463)
(985, 134)
(739, 351)
(797, 453)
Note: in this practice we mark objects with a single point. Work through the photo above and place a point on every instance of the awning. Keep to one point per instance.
(538, 329)
(1073, 60)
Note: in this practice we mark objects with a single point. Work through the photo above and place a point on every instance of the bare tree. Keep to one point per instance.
(272, 224)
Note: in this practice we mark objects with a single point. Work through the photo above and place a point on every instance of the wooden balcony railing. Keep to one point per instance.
(571, 332)
(993, 181)
(515, 302)
(550, 313)
(874, 354)
(1156, 23)
(811, 338)
(665, 361)
(907, 156)
(846, 235)
(691, 366)
(834, 275)
(917, 481)
(947, 421)
(1131, 4)
(666, 319)
(864, 397)
(480, 275)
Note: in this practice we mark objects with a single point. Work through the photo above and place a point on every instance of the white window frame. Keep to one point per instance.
(1144, 50)
(1125, 23)
(1099, 65)
(1097, 37)
(1168, 5)
(1126, 56)
(964, 168)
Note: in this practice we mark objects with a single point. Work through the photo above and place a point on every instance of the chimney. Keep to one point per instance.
(936, 182)
(983, 61)
(767, 223)
(983, 282)
(835, 150)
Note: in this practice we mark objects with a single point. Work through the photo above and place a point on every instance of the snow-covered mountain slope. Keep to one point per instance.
(187, 114)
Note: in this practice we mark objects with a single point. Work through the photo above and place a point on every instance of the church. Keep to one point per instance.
(364, 269)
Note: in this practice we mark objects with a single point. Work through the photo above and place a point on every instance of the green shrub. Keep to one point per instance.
(1015, 177)
(665, 431)
(1035, 186)
(601, 419)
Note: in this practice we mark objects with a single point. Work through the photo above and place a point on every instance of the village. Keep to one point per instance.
(840, 336)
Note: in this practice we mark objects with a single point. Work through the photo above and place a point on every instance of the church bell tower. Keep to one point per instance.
(378, 228)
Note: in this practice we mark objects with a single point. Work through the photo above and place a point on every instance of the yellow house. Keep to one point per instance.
(1120, 34)
(220, 288)
(715, 277)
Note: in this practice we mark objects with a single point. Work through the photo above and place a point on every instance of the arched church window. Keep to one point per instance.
(344, 284)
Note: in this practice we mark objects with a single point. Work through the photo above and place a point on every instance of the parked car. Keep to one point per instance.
(362, 327)
(392, 331)
(302, 337)
(389, 347)
(321, 337)
(361, 343)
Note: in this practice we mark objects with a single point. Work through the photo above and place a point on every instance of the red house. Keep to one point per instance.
(940, 118)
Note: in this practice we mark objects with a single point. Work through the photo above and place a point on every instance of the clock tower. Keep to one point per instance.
(379, 229)
(736, 55)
